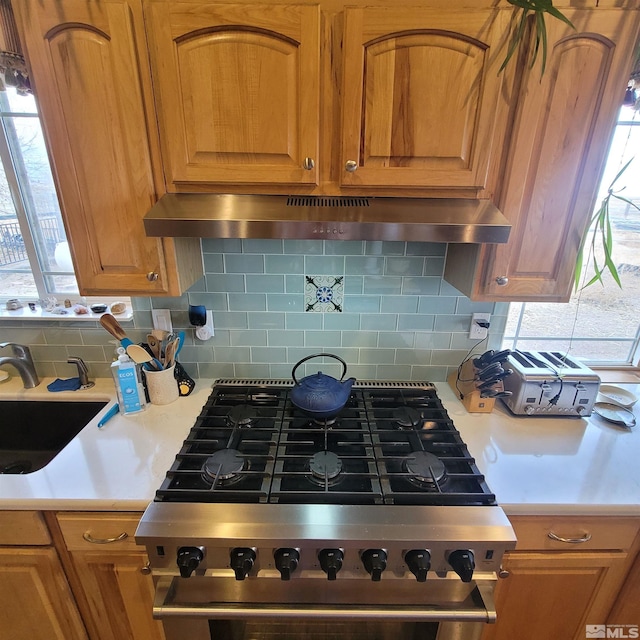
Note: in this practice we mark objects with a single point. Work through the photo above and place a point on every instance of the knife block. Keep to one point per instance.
(463, 384)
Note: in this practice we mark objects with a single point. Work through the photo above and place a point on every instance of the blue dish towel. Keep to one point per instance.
(71, 384)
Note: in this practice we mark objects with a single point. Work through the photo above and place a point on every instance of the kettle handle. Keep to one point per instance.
(319, 355)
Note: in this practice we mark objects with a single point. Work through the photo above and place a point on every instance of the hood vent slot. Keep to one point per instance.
(213, 215)
(321, 201)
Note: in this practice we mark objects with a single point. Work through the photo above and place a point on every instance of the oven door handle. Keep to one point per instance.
(478, 607)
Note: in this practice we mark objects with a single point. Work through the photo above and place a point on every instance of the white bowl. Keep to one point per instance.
(617, 395)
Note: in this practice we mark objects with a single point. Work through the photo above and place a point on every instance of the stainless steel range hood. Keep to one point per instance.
(326, 217)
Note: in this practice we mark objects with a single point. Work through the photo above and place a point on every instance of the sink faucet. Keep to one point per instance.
(83, 372)
(23, 362)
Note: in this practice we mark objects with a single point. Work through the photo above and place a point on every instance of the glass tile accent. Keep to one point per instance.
(324, 294)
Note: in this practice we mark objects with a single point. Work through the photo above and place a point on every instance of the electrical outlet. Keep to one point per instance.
(162, 319)
(476, 332)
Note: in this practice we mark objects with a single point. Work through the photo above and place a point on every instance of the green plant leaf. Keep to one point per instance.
(629, 202)
(516, 39)
(542, 31)
(557, 14)
(600, 231)
(538, 8)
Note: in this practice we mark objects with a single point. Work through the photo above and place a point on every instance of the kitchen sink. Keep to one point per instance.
(33, 432)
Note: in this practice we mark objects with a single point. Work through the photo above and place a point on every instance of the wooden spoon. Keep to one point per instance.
(154, 345)
(141, 356)
(114, 328)
(170, 352)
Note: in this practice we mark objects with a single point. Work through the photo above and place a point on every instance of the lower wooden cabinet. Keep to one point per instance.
(83, 577)
(108, 572)
(626, 609)
(35, 597)
(555, 587)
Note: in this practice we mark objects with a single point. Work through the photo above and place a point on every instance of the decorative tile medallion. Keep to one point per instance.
(323, 294)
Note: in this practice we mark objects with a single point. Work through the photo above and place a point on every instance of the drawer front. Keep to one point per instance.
(575, 533)
(99, 531)
(24, 528)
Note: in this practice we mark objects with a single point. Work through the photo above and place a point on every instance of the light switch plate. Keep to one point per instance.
(162, 319)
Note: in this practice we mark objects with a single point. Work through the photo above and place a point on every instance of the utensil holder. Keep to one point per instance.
(162, 386)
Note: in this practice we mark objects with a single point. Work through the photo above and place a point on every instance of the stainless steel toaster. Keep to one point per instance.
(549, 383)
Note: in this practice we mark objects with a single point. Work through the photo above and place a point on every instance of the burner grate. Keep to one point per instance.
(393, 443)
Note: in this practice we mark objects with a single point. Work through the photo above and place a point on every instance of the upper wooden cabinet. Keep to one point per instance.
(237, 91)
(562, 129)
(93, 87)
(420, 96)
(314, 98)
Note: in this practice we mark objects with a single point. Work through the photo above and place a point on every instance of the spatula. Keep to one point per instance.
(141, 356)
(154, 345)
(114, 328)
(170, 352)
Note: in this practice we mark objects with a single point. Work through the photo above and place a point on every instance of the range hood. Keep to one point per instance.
(326, 217)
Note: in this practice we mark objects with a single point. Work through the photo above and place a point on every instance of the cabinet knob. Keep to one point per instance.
(89, 538)
(351, 166)
(152, 276)
(308, 164)
(503, 573)
(146, 570)
(501, 281)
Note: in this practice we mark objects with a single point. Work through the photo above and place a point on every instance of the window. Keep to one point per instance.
(600, 325)
(34, 254)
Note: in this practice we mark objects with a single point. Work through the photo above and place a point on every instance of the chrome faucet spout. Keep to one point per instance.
(23, 362)
(83, 372)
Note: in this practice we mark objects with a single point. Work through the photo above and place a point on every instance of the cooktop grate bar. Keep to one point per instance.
(361, 384)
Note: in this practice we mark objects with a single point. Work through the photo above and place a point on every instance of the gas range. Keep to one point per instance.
(263, 496)
(389, 445)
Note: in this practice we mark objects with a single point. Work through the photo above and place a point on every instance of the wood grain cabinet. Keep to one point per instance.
(108, 571)
(562, 127)
(237, 91)
(35, 597)
(625, 609)
(555, 587)
(92, 83)
(317, 97)
(420, 98)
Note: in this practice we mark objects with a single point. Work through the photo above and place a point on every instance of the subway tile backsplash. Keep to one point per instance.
(398, 319)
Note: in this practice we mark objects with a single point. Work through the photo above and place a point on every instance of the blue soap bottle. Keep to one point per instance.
(129, 389)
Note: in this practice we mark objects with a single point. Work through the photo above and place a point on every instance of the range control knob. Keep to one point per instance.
(286, 561)
(375, 562)
(419, 562)
(463, 563)
(331, 561)
(242, 559)
(188, 560)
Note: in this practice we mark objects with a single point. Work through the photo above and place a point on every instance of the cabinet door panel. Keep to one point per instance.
(420, 95)
(88, 83)
(36, 599)
(562, 133)
(554, 595)
(238, 91)
(119, 596)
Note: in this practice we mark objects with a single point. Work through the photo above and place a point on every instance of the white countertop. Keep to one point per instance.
(568, 466)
